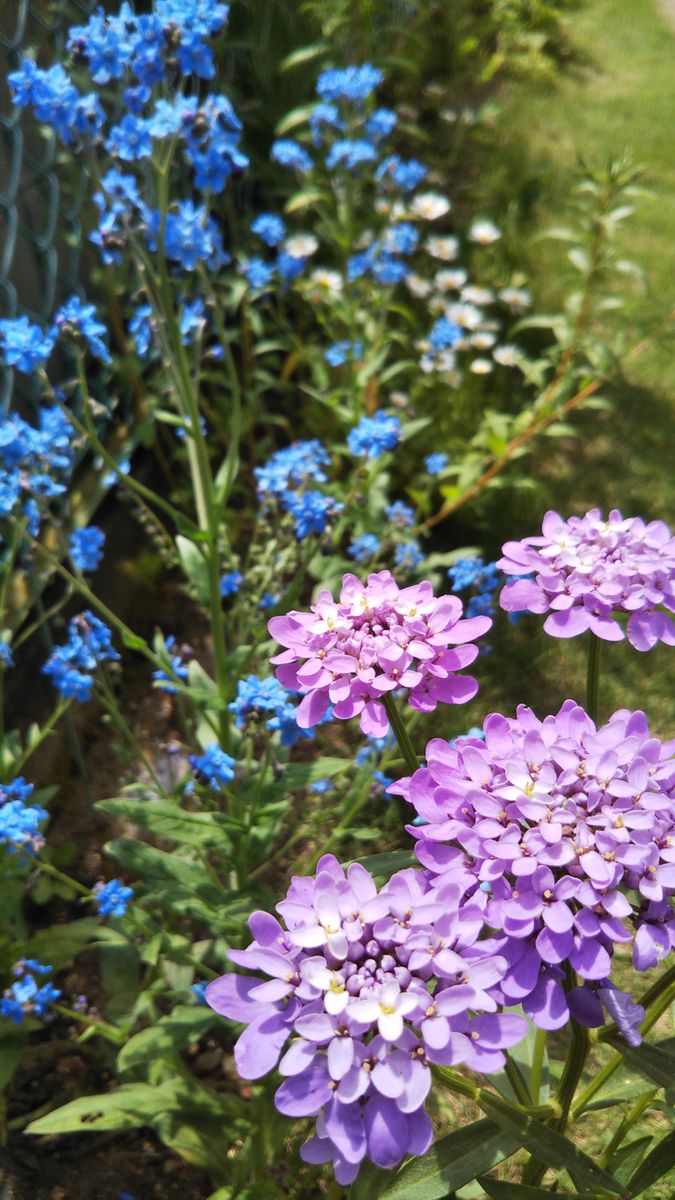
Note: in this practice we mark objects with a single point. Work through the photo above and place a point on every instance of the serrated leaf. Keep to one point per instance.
(658, 1163)
(451, 1162)
(549, 1146)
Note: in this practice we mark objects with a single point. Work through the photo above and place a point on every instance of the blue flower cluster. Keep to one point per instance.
(373, 435)
(436, 463)
(256, 696)
(179, 670)
(145, 52)
(341, 352)
(70, 667)
(35, 463)
(6, 657)
(364, 547)
(284, 478)
(19, 821)
(112, 898)
(483, 578)
(407, 555)
(230, 583)
(86, 547)
(214, 768)
(26, 996)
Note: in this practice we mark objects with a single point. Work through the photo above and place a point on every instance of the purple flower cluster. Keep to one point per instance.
(565, 834)
(588, 569)
(377, 639)
(372, 987)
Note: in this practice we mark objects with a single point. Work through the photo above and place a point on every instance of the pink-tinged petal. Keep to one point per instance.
(285, 630)
(571, 623)
(523, 595)
(374, 721)
(606, 629)
(312, 709)
(468, 629)
(641, 631)
(257, 1051)
(265, 928)
(271, 991)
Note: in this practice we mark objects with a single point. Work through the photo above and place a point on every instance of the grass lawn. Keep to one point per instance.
(615, 98)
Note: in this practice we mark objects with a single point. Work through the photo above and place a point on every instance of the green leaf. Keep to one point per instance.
(297, 116)
(195, 567)
(156, 867)
(303, 200)
(450, 1163)
(303, 55)
(60, 944)
(548, 1146)
(128, 1107)
(12, 1042)
(170, 821)
(166, 1038)
(627, 1159)
(656, 1061)
(300, 775)
(518, 1191)
(389, 861)
(658, 1163)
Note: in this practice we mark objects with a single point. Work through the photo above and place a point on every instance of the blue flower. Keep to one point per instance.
(338, 354)
(179, 670)
(364, 547)
(349, 83)
(70, 666)
(436, 463)
(230, 583)
(373, 435)
(86, 547)
(191, 236)
(321, 786)
(258, 273)
(142, 328)
(444, 334)
(401, 515)
(24, 345)
(350, 153)
(324, 116)
(6, 659)
(80, 321)
(26, 995)
(310, 511)
(268, 600)
(19, 822)
(408, 555)
(295, 465)
(381, 123)
(401, 238)
(269, 228)
(214, 767)
(291, 154)
(404, 174)
(130, 140)
(192, 319)
(198, 991)
(112, 898)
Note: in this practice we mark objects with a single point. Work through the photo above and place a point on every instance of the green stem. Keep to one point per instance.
(630, 1118)
(106, 1030)
(593, 677)
(111, 706)
(50, 869)
(537, 1064)
(516, 1080)
(45, 730)
(401, 733)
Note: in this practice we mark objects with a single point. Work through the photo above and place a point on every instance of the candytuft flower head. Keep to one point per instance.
(376, 639)
(568, 831)
(588, 569)
(372, 987)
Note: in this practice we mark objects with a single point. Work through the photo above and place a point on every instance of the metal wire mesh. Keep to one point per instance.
(40, 233)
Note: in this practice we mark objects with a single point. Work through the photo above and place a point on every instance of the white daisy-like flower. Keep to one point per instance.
(417, 286)
(484, 233)
(448, 114)
(446, 362)
(400, 399)
(382, 206)
(481, 366)
(506, 356)
(325, 281)
(477, 295)
(429, 206)
(450, 280)
(517, 298)
(483, 340)
(437, 304)
(445, 248)
(301, 245)
(427, 364)
(466, 316)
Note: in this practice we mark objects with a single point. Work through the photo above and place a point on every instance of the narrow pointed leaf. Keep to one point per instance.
(518, 1191)
(659, 1162)
(450, 1163)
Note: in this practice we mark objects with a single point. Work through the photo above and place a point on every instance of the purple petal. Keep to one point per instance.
(303, 1095)
(345, 1127)
(312, 708)
(258, 1049)
(386, 1131)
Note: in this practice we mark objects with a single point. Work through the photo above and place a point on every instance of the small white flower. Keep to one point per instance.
(466, 316)
(477, 295)
(516, 298)
(448, 114)
(429, 206)
(506, 356)
(481, 366)
(482, 341)
(450, 280)
(445, 248)
(301, 245)
(417, 286)
(327, 281)
(484, 233)
(388, 1008)
(336, 997)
